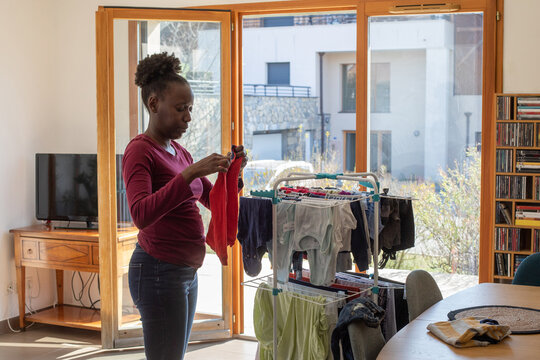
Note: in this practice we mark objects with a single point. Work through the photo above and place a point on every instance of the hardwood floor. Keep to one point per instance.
(46, 342)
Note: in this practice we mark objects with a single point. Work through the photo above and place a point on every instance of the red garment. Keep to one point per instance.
(232, 200)
(224, 208)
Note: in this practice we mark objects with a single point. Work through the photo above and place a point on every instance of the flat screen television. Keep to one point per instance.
(66, 188)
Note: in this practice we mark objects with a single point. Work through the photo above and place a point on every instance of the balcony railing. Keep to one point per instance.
(204, 87)
(277, 90)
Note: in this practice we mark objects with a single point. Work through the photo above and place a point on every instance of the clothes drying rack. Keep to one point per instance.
(368, 180)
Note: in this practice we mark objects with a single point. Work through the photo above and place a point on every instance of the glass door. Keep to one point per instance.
(298, 103)
(201, 40)
(424, 134)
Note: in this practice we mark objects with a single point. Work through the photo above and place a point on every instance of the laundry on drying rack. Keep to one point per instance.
(360, 245)
(254, 231)
(303, 328)
(315, 224)
(352, 225)
(398, 231)
(327, 225)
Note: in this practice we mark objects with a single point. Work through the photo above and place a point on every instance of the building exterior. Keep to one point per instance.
(423, 94)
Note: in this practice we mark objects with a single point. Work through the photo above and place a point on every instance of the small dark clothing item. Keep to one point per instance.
(406, 218)
(404, 237)
(390, 235)
(489, 321)
(400, 303)
(360, 309)
(254, 230)
(485, 337)
(359, 241)
(297, 261)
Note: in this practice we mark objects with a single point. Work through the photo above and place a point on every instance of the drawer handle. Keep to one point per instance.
(29, 251)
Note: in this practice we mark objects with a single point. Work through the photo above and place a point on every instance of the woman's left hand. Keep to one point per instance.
(239, 152)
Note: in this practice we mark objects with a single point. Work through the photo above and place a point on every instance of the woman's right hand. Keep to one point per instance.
(209, 165)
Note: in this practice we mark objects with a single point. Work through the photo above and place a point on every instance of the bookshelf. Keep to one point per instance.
(517, 182)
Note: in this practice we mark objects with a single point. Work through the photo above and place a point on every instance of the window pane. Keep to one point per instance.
(198, 46)
(386, 155)
(349, 88)
(374, 152)
(279, 73)
(299, 126)
(350, 152)
(468, 53)
(380, 86)
(425, 121)
(278, 21)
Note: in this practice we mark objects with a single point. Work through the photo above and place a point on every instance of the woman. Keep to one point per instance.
(163, 185)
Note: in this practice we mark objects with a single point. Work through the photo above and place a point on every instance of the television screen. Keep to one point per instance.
(66, 188)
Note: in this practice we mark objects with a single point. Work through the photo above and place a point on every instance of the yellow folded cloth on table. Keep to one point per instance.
(468, 332)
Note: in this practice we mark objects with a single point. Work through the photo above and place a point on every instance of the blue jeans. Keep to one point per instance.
(166, 296)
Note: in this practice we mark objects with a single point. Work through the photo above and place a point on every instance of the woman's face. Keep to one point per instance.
(173, 110)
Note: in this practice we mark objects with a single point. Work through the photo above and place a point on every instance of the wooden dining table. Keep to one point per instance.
(415, 342)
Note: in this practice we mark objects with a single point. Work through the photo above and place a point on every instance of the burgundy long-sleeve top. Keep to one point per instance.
(162, 204)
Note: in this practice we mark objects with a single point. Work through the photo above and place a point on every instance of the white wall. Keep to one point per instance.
(521, 55)
(48, 102)
(48, 97)
(29, 116)
(299, 47)
(408, 109)
(332, 98)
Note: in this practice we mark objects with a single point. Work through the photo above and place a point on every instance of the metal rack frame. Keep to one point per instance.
(367, 179)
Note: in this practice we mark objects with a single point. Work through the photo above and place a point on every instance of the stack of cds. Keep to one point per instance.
(528, 108)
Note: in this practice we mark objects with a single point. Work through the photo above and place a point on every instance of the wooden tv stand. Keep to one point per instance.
(63, 249)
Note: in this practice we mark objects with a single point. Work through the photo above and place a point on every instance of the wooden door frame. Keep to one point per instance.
(111, 312)
(492, 79)
(239, 11)
(491, 71)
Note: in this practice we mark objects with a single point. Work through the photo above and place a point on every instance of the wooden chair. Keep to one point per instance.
(528, 272)
(422, 291)
(366, 342)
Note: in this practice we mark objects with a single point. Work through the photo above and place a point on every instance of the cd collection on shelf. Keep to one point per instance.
(536, 241)
(511, 187)
(528, 108)
(528, 215)
(502, 264)
(508, 239)
(504, 215)
(504, 161)
(517, 261)
(505, 107)
(527, 161)
(515, 134)
(517, 182)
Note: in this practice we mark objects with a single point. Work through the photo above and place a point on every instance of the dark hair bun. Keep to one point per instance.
(156, 66)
